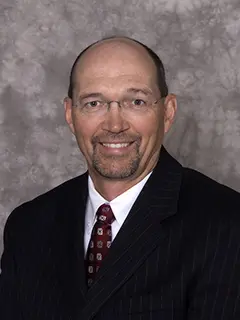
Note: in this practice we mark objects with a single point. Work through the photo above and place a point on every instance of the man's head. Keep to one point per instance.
(119, 142)
(161, 78)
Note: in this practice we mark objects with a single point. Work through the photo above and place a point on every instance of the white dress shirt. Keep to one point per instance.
(121, 206)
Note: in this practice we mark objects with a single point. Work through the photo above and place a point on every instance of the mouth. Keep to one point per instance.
(116, 148)
(117, 145)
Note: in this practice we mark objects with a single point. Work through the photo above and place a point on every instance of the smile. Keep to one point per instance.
(116, 145)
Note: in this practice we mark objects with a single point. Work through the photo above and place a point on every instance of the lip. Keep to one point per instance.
(116, 148)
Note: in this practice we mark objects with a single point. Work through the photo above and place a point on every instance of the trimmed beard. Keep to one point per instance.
(111, 172)
(111, 169)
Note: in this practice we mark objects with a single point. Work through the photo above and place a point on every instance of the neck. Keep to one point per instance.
(109, 189)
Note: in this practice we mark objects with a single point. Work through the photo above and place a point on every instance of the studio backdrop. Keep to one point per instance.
(198, 42)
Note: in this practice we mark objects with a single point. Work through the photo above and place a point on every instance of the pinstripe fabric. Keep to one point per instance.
(176, 257)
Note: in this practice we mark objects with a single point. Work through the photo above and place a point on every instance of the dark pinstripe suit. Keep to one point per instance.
(176, 257)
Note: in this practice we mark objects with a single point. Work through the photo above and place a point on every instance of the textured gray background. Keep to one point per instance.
(198, 41)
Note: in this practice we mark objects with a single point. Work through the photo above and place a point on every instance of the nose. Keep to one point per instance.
(114, 120)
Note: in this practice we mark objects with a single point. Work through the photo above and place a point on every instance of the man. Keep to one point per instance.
(136, 237)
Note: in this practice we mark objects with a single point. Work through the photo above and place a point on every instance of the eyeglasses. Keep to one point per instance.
(128, 105)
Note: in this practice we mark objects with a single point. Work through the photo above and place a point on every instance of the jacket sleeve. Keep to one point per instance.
(217, 293)
(9, 294)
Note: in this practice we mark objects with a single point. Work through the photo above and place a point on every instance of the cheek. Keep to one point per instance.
(151, 129)
(84, 130)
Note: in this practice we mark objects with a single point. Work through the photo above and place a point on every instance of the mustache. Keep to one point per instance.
(115, 137)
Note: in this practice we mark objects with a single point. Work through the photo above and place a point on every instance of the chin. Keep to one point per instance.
(115, 173)
(120, 169)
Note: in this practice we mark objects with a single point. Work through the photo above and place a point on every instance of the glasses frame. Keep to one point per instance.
(119, 103)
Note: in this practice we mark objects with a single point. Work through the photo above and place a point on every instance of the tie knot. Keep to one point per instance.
(105, 214)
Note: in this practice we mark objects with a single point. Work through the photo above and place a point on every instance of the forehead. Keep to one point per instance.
(115, 62)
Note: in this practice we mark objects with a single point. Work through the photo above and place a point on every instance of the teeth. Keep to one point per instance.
(115, 145)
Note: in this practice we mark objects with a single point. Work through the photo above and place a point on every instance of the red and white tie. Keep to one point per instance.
(100, 241)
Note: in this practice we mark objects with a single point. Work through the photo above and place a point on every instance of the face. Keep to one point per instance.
(118, 144)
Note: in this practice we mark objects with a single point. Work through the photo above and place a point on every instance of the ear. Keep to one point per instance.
(68, 113)
(170, 108)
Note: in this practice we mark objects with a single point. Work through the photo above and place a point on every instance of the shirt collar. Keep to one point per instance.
(121, 205)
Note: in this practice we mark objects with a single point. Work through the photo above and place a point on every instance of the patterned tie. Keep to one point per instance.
(100, 241)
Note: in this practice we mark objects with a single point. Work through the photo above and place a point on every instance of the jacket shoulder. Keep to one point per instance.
(40, 212)
(209, 195)
(195, 179)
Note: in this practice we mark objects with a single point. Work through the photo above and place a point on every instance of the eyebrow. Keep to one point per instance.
(90, 95)
(145, 91)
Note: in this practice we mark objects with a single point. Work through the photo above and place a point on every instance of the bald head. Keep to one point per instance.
(121, 55)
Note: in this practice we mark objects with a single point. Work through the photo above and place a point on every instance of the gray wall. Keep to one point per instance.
(198, 41)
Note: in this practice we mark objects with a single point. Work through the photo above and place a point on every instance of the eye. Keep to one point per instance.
(138, 102)
(93, 104)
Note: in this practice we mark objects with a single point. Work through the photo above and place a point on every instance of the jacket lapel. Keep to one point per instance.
(140, 234)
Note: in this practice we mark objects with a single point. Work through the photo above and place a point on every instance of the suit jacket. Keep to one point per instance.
(176, 256)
